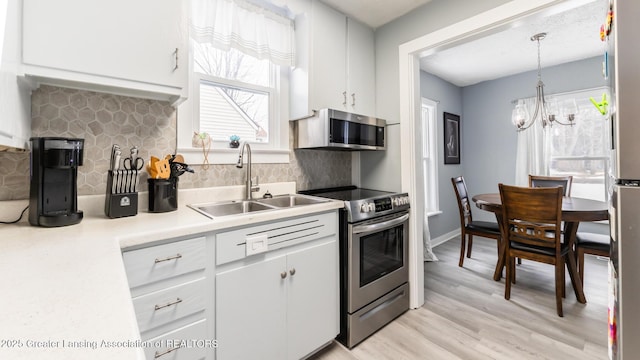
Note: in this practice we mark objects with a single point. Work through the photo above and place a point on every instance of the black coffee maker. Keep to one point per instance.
(53, 196)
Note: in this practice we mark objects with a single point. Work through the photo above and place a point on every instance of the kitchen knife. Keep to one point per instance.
(112, 164)
(132, 180)
(125, 181)
(116, 171)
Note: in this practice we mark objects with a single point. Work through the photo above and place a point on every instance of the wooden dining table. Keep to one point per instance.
(574, 211)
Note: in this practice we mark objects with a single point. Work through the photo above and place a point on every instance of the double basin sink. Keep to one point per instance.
(239, 207)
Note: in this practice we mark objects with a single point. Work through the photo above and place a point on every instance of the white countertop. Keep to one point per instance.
(68, 284)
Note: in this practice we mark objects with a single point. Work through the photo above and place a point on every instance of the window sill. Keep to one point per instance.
(194, 156)
(433, 213)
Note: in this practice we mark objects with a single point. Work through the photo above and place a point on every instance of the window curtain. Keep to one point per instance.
(427, 251)
(532, 154)
(239, 24)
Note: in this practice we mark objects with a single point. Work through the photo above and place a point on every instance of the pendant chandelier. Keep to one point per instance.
(548, 110)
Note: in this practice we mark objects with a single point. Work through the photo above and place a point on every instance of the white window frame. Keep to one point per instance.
(595, 93)
(274, 99)
(188, 120)
(429, 156)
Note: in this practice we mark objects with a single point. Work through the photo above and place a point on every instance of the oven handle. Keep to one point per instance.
(380, 226)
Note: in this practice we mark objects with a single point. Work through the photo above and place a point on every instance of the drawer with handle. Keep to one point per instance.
(168, 305)
(160, 262)
(187, 343)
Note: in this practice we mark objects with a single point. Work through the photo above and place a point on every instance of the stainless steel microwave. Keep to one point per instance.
(339, 130)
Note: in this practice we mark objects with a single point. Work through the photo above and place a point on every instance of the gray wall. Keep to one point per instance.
(380, 171)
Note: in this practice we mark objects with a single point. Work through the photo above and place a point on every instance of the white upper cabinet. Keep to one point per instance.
(334, 64)
(136, 48)
(15, 98)
(360, 68)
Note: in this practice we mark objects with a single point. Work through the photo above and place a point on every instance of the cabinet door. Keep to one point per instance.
(15, 99)
(360, 68)
(327, 82)
(312, 302)
(121, 39)
(251, 311)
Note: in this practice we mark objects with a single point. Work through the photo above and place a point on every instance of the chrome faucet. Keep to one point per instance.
(250, 188)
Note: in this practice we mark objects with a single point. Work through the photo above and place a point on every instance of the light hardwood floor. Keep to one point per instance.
(465, 315)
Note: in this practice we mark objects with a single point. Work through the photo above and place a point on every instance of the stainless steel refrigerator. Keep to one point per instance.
(624, 210)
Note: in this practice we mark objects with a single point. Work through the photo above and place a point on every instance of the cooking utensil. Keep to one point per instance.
(163, 169)
(151, 167)
(178, 158)
(179, 168)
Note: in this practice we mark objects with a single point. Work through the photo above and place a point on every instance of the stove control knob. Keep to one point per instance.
(372, 207)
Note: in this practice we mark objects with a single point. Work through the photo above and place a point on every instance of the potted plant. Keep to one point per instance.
(234, 141)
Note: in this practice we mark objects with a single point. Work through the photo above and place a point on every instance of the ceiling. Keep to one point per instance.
(572, 35)
(375, 12)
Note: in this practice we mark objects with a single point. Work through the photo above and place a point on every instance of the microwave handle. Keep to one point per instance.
(380, 226)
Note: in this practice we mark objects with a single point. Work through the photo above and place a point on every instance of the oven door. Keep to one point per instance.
(378, 251)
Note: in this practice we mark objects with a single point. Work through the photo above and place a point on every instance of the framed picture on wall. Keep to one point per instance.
(451, 138)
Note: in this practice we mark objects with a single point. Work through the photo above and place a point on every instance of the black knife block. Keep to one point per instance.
(121, 204)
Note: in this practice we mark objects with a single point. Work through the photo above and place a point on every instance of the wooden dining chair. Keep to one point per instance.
(552, 181)
(531, 220)
(592, 244)
(469, 227)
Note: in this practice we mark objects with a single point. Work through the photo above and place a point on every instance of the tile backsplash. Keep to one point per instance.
(104, 119)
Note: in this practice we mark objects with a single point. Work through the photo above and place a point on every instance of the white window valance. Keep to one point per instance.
(239, 24)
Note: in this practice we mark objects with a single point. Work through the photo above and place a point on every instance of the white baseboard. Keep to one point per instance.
(446, 237)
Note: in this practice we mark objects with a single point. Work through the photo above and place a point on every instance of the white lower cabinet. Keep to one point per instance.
(251, 311)
(281, 304)
(214, 297)
(172, 296)
(312, 298)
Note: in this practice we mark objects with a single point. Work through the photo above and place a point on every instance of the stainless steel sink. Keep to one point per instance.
(284, 201)
(239, 207)
(230, 208)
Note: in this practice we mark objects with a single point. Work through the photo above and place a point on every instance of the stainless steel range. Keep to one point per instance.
(373, 259)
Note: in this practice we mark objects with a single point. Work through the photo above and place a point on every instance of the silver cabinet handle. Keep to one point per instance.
(283, 274)
(175, 257)
(353, 99)
(292, 271)
(157, 355)
(177, 301)
(344, 94)
(176, 55)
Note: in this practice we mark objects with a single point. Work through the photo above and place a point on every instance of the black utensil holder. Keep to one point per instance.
(163, 194)
(120, 204)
